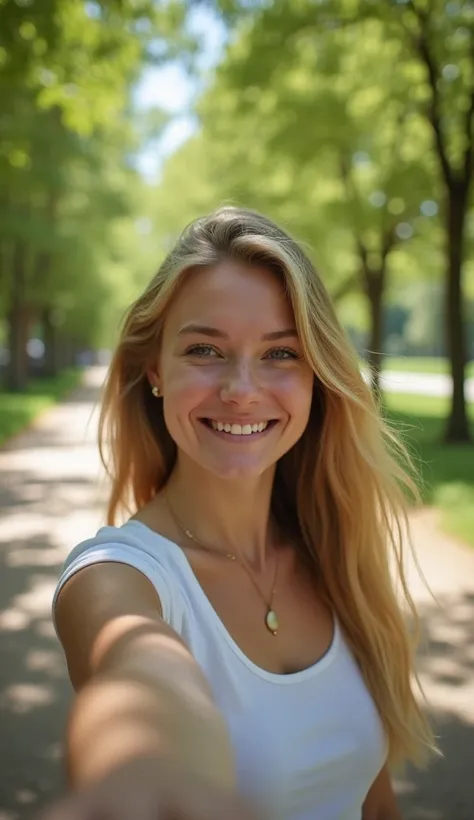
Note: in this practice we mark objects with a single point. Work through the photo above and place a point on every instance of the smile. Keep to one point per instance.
(237, 429)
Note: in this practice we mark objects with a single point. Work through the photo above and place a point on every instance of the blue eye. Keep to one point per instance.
(283, 354)
(204, 351)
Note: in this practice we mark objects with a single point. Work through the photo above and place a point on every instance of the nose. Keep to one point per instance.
(239, 384)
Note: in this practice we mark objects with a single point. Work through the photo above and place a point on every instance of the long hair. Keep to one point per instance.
(340, 492)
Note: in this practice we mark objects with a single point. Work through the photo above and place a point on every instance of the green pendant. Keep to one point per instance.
(271, 621)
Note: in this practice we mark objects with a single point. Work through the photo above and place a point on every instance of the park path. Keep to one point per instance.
(52, 496)
(422, 384)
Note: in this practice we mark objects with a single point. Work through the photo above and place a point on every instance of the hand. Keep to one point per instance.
(144, 790)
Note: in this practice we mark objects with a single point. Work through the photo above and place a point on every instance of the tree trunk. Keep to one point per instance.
(65, 351)
(375, 292)
(3, 265)
(457, 430)
(18, 322)
(51, 344)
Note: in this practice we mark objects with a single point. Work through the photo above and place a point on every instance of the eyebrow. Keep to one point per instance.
(214, 332)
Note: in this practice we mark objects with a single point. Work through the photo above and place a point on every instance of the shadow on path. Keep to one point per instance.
(445, 790)
(34, 688)
(51, 497)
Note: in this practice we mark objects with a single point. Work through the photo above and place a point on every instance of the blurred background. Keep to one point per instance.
(351, 123)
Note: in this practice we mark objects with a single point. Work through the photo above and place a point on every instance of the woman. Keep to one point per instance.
(237, 645)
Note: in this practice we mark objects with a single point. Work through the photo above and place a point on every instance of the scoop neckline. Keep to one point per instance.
(273, 677)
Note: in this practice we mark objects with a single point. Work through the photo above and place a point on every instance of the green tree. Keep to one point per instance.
(65, 82)
(438, 38)
(433, 57)
(315, 110)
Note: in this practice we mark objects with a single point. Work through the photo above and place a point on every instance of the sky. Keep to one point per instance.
(173, 90)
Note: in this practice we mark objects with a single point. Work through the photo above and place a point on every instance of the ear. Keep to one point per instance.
(153, 377)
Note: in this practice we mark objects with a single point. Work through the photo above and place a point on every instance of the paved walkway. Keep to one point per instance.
(423, 384)
(51, 497)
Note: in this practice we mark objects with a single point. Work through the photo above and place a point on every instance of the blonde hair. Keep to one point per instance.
(339, 492)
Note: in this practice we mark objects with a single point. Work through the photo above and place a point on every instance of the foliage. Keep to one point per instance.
(373, 101)
(67, 146)
(18, 411)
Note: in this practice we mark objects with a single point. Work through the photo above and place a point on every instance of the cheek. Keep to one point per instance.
(184, 387)
(295, 391)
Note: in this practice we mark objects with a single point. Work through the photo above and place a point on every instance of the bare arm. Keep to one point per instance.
(381, 803)
(140, 692)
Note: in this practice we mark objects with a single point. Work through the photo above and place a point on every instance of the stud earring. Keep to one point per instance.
(156, 391)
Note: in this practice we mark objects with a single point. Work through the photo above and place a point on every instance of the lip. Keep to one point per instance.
(240, 439)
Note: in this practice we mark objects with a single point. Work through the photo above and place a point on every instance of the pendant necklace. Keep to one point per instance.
(271, 618)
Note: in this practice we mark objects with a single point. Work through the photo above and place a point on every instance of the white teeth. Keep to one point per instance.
(238, 429)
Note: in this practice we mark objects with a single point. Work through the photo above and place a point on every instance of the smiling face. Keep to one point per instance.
(236, 388)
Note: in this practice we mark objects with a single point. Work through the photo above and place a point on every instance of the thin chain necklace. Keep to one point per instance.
(271, 618)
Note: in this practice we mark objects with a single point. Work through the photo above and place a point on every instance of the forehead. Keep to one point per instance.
(231, 295)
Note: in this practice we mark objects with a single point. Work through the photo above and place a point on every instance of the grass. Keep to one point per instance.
(421, 364)
(446, 471)
(18, 410)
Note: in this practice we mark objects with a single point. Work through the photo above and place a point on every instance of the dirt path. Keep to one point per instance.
(51, 497)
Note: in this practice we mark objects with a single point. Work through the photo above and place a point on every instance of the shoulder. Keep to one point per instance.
(131, 540)
(135, 545)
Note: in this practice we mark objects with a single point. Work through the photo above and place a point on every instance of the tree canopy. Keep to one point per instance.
(67, 146)
(352, 123)
(348, 121)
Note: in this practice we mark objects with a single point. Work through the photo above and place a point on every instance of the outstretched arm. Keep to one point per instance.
(140, 692)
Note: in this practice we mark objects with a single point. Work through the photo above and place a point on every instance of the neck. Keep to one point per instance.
(230, 516)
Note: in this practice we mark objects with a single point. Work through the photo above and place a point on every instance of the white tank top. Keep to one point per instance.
(308, 745)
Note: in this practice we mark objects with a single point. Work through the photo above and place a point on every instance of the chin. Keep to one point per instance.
(236, 472)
